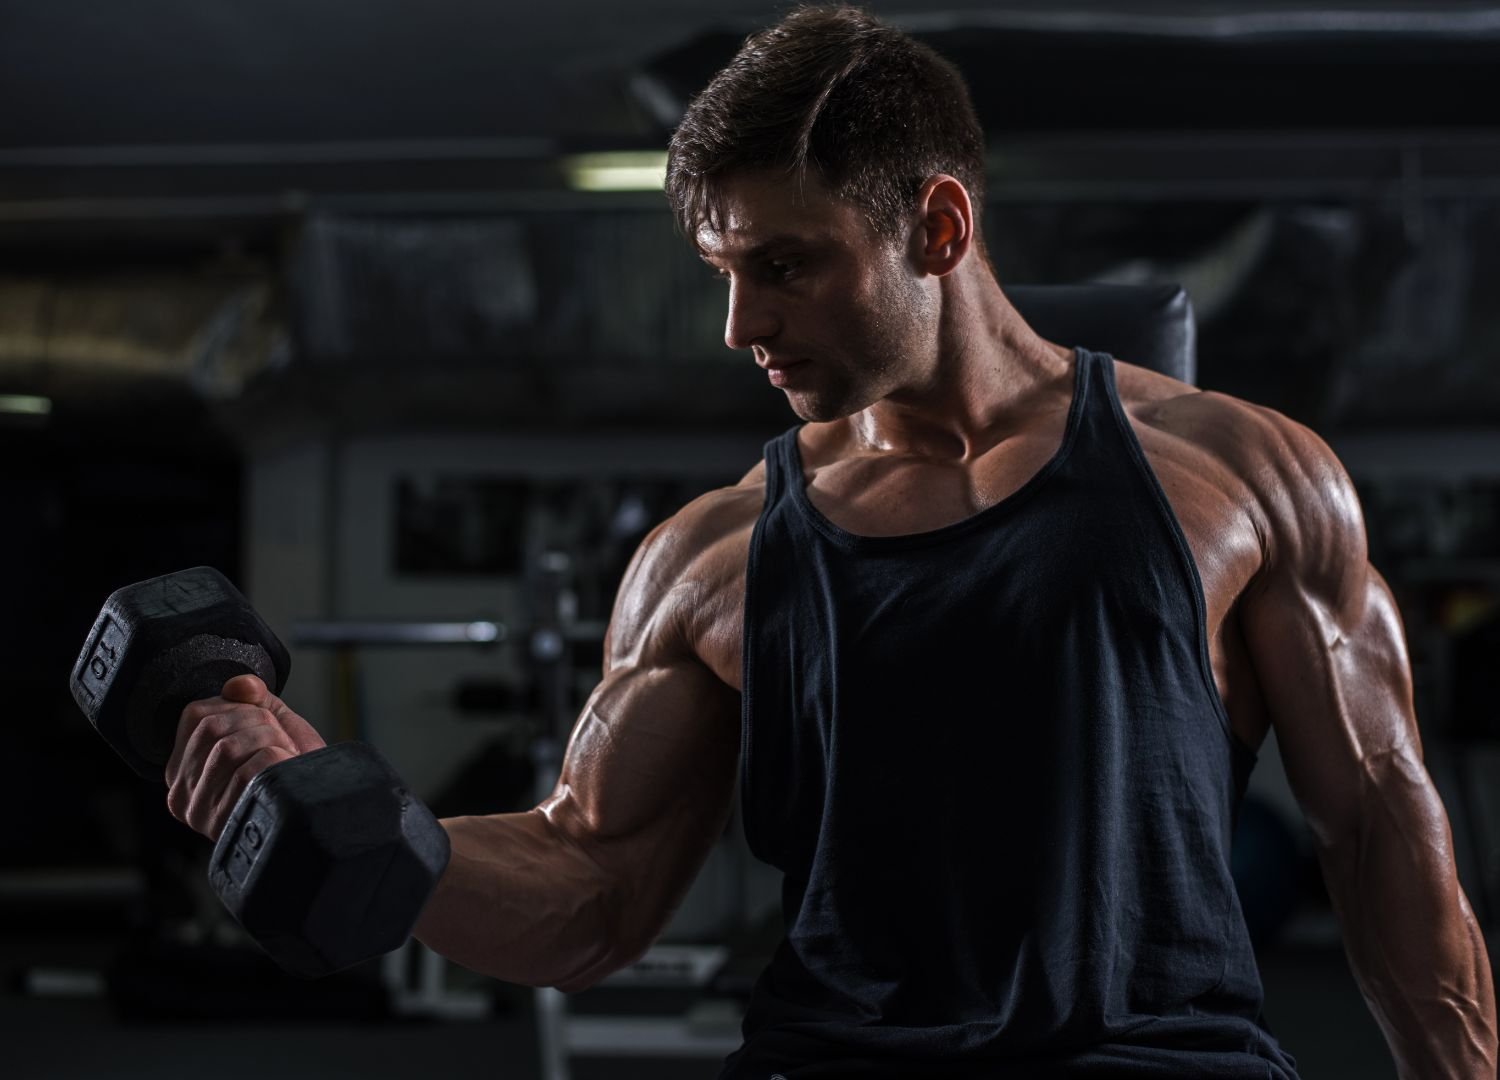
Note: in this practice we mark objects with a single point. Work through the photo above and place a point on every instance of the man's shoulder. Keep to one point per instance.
(1300, 493)
(680, 592)
(707, 531)
(1258, 444)
(722, 510)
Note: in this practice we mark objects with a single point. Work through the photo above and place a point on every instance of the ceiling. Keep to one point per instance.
(98, 73)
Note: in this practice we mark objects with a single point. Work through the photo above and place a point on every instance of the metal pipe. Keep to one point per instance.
(345, 633)
(483, 632)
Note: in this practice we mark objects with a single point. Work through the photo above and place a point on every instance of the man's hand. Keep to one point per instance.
(222, 743)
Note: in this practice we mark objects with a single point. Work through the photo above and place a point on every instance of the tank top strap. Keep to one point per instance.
(782, 467)
(1098, 430)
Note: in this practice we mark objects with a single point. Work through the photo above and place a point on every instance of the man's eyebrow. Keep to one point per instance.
(760, 250)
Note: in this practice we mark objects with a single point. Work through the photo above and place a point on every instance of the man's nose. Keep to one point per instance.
(751, 317)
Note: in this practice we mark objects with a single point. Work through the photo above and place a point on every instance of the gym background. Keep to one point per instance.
(378, 308)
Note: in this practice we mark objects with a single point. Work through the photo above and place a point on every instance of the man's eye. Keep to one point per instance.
(782, 269)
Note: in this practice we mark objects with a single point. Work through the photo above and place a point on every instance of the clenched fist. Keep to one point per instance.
(222, 743)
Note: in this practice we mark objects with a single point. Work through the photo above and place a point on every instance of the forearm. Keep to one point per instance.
(519, 903)
(1416, 951)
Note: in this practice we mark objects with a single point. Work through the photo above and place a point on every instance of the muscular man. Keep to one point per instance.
(992, 637)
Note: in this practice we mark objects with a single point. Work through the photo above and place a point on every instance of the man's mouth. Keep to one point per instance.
(780, 371)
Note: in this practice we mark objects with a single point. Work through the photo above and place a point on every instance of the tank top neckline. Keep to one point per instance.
(1083, 360)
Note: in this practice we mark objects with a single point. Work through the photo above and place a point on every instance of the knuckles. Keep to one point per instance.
(221, 725)
(262, 758)
(221, 757)
(230, 742)
(197, 710)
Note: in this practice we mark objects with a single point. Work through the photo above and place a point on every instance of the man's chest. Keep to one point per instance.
(874, 497)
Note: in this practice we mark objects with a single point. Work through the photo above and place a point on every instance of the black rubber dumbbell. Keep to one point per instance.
(326, 859)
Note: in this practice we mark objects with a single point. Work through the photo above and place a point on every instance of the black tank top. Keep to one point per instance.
(993, 766)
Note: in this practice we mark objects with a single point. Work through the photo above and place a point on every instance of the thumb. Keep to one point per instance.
(246, 689)
(252, 690)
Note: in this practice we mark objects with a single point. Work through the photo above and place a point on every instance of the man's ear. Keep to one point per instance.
(945, 226)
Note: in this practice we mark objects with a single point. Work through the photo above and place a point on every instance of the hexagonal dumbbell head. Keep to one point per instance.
(327, 859)
(158, 645)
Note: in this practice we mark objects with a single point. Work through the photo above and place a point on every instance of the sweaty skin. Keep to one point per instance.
(927, 399)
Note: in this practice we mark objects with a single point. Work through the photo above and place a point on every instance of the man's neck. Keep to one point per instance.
(989, 374)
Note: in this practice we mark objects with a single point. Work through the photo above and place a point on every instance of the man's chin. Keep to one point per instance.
(816, 408)
(813, 410)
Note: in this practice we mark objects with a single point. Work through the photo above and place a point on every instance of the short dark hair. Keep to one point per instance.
(830, 90)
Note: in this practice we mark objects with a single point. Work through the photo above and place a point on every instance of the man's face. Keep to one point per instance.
(813, 291)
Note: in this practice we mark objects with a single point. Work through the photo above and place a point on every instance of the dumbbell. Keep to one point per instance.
(326, 859)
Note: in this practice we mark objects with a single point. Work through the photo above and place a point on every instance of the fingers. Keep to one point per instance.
(193, 717)
(222, 743)
(187, 725)
(242, 691)
(215, 757)
(210, 803)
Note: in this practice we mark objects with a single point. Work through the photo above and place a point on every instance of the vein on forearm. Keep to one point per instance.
(1412, 939)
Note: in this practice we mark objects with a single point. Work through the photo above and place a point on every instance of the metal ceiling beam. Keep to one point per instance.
(1090, 167)
(343, 152)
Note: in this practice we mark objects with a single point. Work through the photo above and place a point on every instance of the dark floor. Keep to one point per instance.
(1311, 1003)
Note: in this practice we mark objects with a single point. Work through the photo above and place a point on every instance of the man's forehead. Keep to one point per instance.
(756, 213)
(750, 243)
